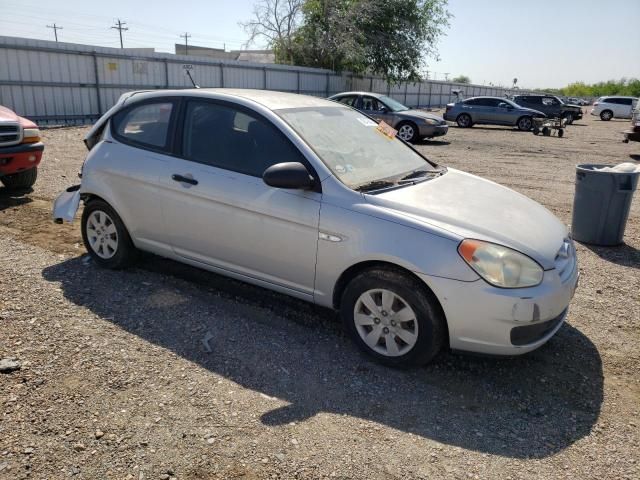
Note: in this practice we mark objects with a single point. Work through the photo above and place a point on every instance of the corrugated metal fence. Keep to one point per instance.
(65, 83)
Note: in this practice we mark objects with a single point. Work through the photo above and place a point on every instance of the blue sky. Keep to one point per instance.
(546, 43)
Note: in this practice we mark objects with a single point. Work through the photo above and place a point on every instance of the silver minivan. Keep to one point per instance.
(311, 198)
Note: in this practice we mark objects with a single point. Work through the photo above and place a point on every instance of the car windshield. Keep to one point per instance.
(351, 145)
(393, 104)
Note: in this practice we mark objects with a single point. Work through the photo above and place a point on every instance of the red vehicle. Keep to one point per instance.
(20, 150)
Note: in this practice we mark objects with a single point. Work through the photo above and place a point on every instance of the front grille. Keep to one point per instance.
(10, 134)
(532, 333)
(565, 261)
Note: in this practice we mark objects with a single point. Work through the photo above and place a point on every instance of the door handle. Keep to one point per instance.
(182, 179)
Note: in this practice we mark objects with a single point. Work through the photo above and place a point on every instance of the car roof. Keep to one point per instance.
(485, 96)
(270, 99)
(617, 96)
(371, 94)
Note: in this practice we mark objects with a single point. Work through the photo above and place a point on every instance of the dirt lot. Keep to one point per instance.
(116, 382)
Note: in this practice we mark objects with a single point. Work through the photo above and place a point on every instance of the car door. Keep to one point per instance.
(624, 107)
(130, 173)
(220, 213)
(488, 111)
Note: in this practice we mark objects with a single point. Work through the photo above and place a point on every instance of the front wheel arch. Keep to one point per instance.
(354, 270)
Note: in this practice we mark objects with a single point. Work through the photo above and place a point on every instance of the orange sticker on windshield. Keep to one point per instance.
(387, 130)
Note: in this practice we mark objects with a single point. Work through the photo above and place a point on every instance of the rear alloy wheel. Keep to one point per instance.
(408, 132)
(525, 124)
(606, 115)
(392, 318)
(105, 236)
(464, 121)
(24, 179)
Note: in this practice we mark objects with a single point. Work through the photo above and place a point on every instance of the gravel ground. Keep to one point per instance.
(115, 381)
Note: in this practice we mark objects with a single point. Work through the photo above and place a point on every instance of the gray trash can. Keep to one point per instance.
(601, 204)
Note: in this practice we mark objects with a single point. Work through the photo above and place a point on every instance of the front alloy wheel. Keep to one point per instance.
(525, 124)
(102, 234)
(407, 132)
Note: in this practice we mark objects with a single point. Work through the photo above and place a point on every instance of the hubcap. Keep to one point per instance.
(406, 132)
(391, 335)
(102, 234)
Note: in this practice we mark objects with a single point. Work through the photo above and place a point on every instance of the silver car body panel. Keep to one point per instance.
(490, 115)
(301, 242)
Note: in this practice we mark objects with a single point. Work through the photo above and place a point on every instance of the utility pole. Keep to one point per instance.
(186, 42)
(120, 26)
(55, 30)
(446, 77)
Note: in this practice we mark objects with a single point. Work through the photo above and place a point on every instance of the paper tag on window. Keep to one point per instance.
(386, 129)
(367, 122)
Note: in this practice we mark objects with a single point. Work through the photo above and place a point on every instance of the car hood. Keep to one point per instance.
(531, 110)
(7, 115)
(419, 114)
(472, 207)
(572, 106)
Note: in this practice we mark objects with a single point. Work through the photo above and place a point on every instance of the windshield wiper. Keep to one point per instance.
(420, 174)
(374, 185)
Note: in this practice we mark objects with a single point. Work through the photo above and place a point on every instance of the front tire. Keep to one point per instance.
(24, 179)
(568, 118)
(408, 132)
(464, 121)
(393, 318)
(524, 124)
(606, 115)
(105, 236)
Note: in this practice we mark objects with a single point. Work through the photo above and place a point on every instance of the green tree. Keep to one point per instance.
(461, 79)
(391, 38)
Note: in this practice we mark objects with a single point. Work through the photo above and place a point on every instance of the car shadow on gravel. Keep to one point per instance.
(14, 197)
(525, 407)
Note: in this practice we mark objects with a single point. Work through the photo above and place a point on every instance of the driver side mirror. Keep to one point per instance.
(292, 175)
(504, 105)
(384, 109)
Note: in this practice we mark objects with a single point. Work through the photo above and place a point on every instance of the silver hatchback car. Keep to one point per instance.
(313, 199)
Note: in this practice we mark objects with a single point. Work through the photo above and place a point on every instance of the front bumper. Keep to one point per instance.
(20, 157)
(433, 130)
(497, 321)
(66, 205)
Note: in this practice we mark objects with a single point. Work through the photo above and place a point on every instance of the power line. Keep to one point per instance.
(55, 30)
(186, 42)
(120, 27)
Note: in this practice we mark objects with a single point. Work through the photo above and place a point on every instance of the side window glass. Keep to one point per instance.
(547, 101)
(351, 101)
(369, 104)
(147, 125)
(627, 101)
(231, 139)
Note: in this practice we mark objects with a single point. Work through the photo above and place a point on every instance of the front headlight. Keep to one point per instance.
(30, 135)
(500, 266)
(431, 121)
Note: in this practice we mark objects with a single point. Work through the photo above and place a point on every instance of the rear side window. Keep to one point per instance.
(625, 101)
(146, 125)
(232, 139)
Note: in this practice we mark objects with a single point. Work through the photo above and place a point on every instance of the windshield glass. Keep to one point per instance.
(392, 104)
(351, 146)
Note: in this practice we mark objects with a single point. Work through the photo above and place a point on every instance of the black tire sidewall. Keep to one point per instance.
(524, 129)
(431, 324)
(469, 123)
(125, 251)
(23, 179)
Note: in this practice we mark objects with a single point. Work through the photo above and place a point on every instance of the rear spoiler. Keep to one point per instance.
(93, 136)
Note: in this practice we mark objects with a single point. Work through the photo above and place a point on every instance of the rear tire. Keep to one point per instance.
(561, 133)
(105, 236)
(464, 120)
(24, 179)
(606, 115)
(404, 326)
